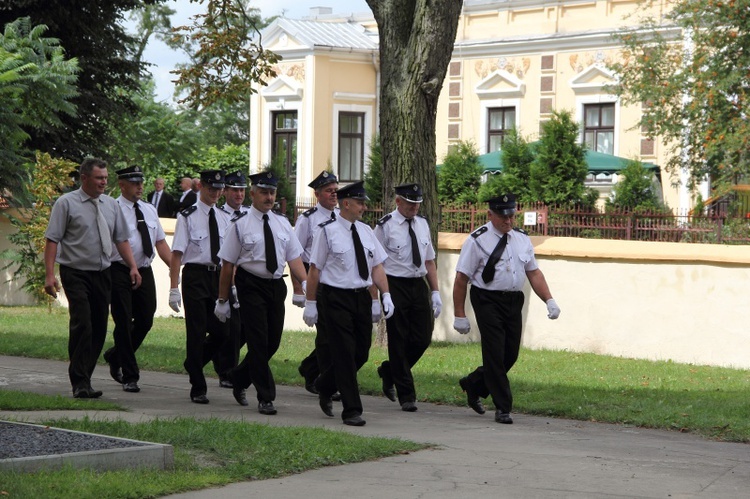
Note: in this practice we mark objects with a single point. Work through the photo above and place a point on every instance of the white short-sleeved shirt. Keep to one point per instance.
(393, 233)
(510, 271)
(308, 223)
(155, 230)
(333, 253)
(244, 243)
(73, 226)
(191, 235)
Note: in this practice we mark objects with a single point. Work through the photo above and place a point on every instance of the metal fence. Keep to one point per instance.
(718, 227)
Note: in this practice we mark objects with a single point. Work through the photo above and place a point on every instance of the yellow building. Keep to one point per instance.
(514, 62)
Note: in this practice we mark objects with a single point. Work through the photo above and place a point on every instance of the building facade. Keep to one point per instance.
(514, 62)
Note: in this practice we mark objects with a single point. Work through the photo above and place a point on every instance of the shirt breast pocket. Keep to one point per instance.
(343, 254)
(252, 243)
(399, 246)
(198, 238)
(525, 256)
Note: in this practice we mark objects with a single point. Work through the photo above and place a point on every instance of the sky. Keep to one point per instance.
(164, 59)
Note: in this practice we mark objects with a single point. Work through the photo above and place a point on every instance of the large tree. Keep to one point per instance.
(92, 32)
(689, 71)
(416, 44)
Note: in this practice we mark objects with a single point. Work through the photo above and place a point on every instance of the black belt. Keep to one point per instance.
(500, 292)
(420, 278)
(205, 268)
(346, 290)
(125, 265)
(259, 278)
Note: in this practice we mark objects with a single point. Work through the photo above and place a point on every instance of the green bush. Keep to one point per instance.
(459, 178)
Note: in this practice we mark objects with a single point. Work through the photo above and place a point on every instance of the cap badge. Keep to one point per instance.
(137, 168)
(218, 176)
(268, 174)
(505, 199)
(415, 188)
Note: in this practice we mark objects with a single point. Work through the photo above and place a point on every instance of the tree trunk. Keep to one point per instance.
(416, 44)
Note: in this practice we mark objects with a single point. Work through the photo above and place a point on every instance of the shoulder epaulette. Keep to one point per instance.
(481, 230)
(224, 209)
(238, 216)
(279, 213)
(330, 221)
(384, 219)
(518, 229)
(187, 211)
(310, 211)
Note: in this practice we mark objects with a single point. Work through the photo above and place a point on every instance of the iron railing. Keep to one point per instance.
(717, 227)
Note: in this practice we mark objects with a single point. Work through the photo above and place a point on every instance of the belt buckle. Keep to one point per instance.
(212, 268)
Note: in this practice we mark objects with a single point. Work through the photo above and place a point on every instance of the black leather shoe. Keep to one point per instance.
(226, 383)
(503, 418)
(81, 393)
(472, 399)
(409, 407)
(310, 386)
(116, 373)
(94, 394)
(325, 405)
(336, 397)
(239, 395)
(388, 390)
(199, 399)
(266, 408)
(131, 387)
(355, 421)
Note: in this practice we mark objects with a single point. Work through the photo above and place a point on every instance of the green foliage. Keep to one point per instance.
(559, 168)
(691, 82)
(517, 157)
(37, 84)
(374, 175)
(230, 56)
(284, 188)
(51, 178)
(634, 189)
(460, 175)
(92, 32)
(229, 158)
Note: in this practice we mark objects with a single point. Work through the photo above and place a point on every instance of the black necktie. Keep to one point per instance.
(359, 252)
(333, 216)
(489, 270)
(213, 234)
(148, 247)
(416, 258)
(271, 262)
(237, 213)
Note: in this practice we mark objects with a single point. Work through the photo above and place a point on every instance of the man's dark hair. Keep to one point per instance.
(89, 164)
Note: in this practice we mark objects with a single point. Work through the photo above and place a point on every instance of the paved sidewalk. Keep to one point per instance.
(534, 458)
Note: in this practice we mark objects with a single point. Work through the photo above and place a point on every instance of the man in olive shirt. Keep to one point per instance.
(83, 226)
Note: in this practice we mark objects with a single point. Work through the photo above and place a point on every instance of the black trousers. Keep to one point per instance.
(205, 333)
(498, 315)
(133, 314)
(409, 333)
(226, 358)
(262, 311)
(347, 318)
(88, 294)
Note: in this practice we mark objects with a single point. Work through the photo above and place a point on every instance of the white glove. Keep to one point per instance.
(462, 325)
(221, 311)
(175, 300)
(553, 311)
(236, 303)
(437, 303)
(376, 312)
(298, 301)
(388, 307)
(310, 315)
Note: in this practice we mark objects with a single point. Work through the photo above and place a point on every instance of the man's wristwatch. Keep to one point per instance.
(222, 300)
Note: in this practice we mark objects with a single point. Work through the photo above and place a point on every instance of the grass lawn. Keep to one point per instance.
(710, 401)
(208, 453)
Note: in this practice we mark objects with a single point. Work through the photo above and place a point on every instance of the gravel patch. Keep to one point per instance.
(20, 440)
